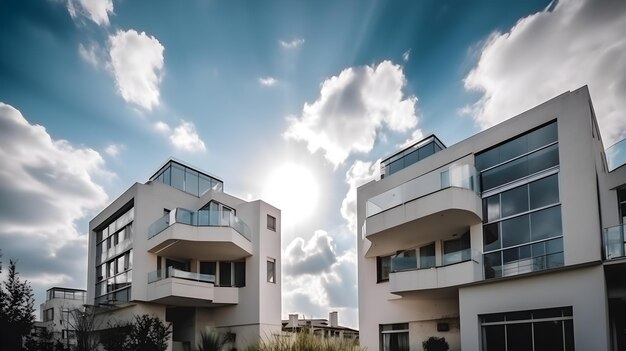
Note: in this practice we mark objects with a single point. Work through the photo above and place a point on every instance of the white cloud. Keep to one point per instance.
(293, 44)
(137, 64)
(406, 55)
(545, 54)
(359, 173)
(352, 108)
(162, 127)
(185, 137)
(96, 10)
(46, 187)
(268, 81)
(313, 257)
(91, 54)
(113, 149)
(415, 137)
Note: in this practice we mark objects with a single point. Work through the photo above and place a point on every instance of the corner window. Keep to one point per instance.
(383, 266)
(271, 223)
(271, 270)
(48, 315)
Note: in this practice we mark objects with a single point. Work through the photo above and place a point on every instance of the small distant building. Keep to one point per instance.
(318, 326)
(56, 313)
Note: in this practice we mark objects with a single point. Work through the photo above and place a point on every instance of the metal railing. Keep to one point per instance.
(200, 218)
(616, 155)
(407, 260)
(613, 240)
(171, 272)
(460, 176)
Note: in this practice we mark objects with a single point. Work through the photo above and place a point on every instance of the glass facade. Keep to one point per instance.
(114, 259)
(67, 294)
(537, 330)
(383, 267)
(410, 155)
(187, 179)
(522, 229)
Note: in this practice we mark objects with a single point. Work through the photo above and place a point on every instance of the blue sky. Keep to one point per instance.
(289, 101)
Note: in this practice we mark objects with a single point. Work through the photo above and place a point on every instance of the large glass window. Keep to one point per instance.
(457, 250)
(394, 337)
(271, 270)
(187, 179)
(410, 155)
(537, 330)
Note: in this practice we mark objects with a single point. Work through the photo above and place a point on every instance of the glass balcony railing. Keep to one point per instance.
(460, 176)
(613, 239)
(408, 260)
(171, 272)
(200, 218)
(616, 155)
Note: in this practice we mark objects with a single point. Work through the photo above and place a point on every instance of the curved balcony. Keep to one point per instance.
(204, 234)
(427, 208)
(180, 288)
(467, 270)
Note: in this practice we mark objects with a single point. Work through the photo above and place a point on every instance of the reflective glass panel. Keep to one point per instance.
(546, 223)
(505, 173)
(491, 237)
(427, 256)
(515, 231)
(191, 181)
(543, 159)
(542, 136)
(491, 207)
(544, 192)
(493, 265)
(514, 201)
(178, 177)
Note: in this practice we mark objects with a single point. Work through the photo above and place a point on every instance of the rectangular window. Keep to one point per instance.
(225, 273)
(271, 270)
(537, 330)
(240, 274)
(383, 266)
(457, 250)
(394, 337)
(207, 268)
(48, 315)
(271, 223)
(427, 256)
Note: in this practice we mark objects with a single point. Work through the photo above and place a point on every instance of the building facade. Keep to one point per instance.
(509, 240)
(57, 313)
(325, 328)
(179, 248)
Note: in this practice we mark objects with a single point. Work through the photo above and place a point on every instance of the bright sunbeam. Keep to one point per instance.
(294, 190)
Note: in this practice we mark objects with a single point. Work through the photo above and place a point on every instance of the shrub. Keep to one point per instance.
(435, 344)
(211, 341)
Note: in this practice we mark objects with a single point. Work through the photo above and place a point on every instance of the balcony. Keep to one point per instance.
(614, 244)
(616, 155)
(436, 204)
(203, 234)
(180, 288)
(409, 276)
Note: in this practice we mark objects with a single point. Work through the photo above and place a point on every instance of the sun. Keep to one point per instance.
(294, 190)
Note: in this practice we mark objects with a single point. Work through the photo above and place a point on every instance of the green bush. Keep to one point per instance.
(305, 341)
(435, 344)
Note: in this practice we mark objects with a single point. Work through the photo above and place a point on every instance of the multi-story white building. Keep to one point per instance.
(509, 240)
(179, 248)
(57, 313)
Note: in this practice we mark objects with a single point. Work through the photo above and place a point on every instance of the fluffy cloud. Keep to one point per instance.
(136, 61)
(317, 280)
(359, 173)
(90, 53)
(294, 44)
(577, 42)
(184, 137)
(268, 81)
(113, 149)
(351, 110)
(46, 186)
(96, 10)
(311, 257)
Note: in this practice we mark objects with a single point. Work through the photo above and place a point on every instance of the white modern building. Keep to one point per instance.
(326, 328)
(57, 313)
(512, 239)
(179, 248)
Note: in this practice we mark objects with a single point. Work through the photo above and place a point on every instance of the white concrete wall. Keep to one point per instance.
(581, 288)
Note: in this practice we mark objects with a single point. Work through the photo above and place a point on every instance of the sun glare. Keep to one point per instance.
(294, 190)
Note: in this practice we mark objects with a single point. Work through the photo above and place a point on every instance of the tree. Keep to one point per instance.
(84, 324)
(435, 344)
(115, 337)
(148, 333)
(16, 309)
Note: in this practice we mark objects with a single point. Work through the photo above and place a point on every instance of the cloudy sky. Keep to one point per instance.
(293, 102)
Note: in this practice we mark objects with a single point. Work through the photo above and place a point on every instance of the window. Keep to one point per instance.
(271, 270)
(48, 315)
(240, 274)
(225, 274)
(537, 330)
(394, 337)
(457, 250)
(383, 266)
(271, 223)
(69, 334)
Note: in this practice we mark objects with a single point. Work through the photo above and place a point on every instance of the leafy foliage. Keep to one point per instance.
(211, 341)
(16, 309)
(148, 333)
(435, 344)
(305, 341)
